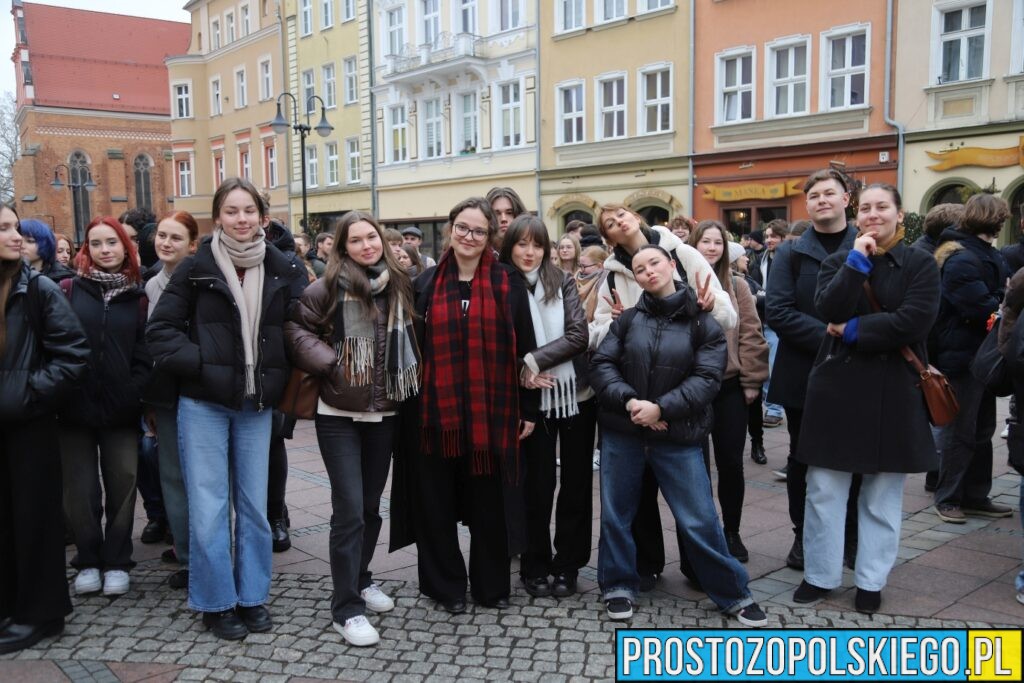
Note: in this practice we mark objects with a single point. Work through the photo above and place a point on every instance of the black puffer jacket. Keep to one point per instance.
(36, 373)
(195, 332)
(669, 352)
(109, 394)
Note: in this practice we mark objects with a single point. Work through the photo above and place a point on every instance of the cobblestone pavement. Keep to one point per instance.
(947, 576)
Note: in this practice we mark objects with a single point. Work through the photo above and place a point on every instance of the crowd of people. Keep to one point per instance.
(495, 380)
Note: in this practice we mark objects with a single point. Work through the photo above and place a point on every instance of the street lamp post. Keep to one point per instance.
(56, 184)
(280, 125)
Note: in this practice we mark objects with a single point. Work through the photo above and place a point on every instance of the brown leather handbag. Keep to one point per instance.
(301, 395)
(939, 396)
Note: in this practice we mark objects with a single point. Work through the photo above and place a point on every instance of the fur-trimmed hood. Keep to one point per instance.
(945, 250)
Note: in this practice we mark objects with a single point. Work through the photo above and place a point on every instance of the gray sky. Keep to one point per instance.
(155, 9)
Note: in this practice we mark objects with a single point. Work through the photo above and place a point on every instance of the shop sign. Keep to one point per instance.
(978, 156)
(737, 193)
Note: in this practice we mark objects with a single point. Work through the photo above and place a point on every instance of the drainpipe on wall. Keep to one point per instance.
(536, 113)
(900, 131)
(689, 180)
(374, 202)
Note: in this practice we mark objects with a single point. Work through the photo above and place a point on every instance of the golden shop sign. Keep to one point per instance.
(978, 156)
(737, 193)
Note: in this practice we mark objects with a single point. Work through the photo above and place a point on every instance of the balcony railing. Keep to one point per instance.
(449, 47)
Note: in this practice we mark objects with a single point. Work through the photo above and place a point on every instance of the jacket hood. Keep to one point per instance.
(681, 304)
(280, 237)
(945, 250)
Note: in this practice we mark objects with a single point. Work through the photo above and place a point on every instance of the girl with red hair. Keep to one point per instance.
(101, 419)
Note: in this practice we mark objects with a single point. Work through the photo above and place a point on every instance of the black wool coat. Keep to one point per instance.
(864, 410)
(790, 311)
(195, 332)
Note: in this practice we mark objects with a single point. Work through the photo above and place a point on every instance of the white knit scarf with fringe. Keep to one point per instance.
(549, 325)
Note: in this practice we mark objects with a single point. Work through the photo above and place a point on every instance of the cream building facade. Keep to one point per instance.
(614, 81)
(455, 96)
(961, 101)
(327, 55)
(222, 103)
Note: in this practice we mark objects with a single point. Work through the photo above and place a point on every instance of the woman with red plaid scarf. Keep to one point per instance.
(460, 461)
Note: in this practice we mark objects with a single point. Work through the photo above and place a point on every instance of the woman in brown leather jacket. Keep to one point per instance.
(569, 410)
(353, 329)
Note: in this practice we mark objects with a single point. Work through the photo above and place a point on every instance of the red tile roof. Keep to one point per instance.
(81, 59)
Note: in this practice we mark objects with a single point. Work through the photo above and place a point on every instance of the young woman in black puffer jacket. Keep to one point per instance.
(656, 373)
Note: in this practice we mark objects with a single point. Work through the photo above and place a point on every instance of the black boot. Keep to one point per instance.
(279, 532)
(795, 559)
(15, 637)
(757, 452)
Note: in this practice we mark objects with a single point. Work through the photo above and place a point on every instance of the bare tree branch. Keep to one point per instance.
(10, 146)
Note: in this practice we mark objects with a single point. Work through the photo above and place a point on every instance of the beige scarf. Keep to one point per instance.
(230, 254)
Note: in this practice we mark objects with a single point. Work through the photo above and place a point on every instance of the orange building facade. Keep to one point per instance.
(789, 88)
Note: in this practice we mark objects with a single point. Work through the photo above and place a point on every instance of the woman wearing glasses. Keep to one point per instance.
(460, 461)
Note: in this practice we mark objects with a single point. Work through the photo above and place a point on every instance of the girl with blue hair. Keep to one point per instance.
(39, 250)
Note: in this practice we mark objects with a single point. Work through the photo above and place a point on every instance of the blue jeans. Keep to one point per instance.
(148, 479)
(879, 513)
(224, 459)
(172, 483)
(772, 338)
(685, 485)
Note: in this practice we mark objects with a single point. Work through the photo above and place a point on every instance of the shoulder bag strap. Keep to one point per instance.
(905, 351)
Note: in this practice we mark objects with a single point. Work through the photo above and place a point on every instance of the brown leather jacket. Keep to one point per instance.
(311, 350)
(573, 344)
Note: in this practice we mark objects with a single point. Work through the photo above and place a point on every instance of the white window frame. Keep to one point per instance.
(183, 167)
(471, 118)
(353, 161)
(394, 33)
(466, 9)
(245, 163)
(305, 18)
(329, 81)
(577, 115)
(216, 96)
(432, 124)
(570, 15)
(265, 68)
(350, 66)
(720, 59)
(601, 15)
(215, 43)
(645, 6)
(229, 27)
(241, 88)
(270, 162)
(943, 6)
(179, 98)
(825, 62)
(509, 15)
(393, 154)
(771, 51)
(600, 109)
(643, 101)
(244, 19)
(348, 10)
(512, 108)
(326, 14)
(331, 155)
(218, 167)
(312, 166)
(308, 88)
(429, 23)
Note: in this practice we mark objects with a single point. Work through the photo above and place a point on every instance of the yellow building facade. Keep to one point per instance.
(327, 55)
(614, 82)
(959, 93)
(222, 103)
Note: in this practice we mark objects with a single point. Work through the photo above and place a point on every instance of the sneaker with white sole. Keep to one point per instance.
(115, 582)
(752, 615)
(376, 599)
(88, 581)
(358, 631)
(1005, 434)
(619, 609)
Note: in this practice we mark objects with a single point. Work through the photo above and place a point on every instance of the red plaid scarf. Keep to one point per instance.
(469, 378)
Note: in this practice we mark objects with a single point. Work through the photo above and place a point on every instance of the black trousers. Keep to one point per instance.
(357, 456)
(755, 419)
(574, 515)
(277, 478)
(33, 584)
(446, 495)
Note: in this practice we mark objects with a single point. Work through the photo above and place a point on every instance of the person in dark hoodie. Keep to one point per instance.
(974, 276)
(939, 217)
(143, 222)
(43, 350)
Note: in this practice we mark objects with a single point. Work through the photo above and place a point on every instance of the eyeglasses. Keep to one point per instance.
(474, 234)
(586, 266)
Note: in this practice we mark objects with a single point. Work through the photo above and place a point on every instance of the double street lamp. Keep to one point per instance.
(73, 185)
(280, 125)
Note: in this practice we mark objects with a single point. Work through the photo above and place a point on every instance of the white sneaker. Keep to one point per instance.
(87, 581)
(597, 459)
(358, 631)
(1005, 434)
(376, 599)
(115, 582)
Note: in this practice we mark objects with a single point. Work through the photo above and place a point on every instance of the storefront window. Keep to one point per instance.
(654, 215)
(577, 215)
(432, 229)
(740, 220)
(951, 194)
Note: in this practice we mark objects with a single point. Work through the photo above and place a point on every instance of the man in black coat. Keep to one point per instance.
(790, 311)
